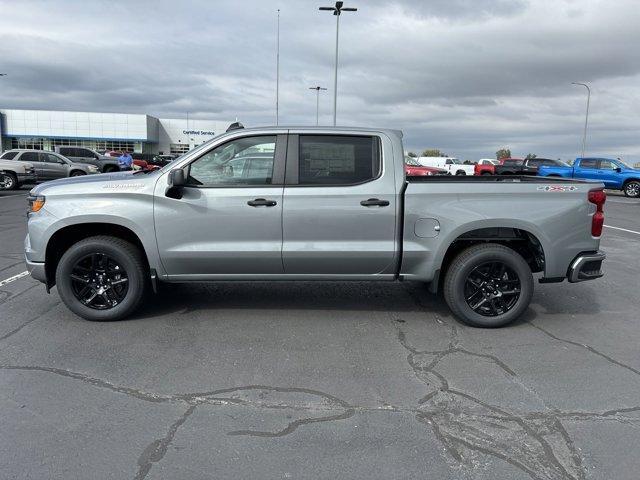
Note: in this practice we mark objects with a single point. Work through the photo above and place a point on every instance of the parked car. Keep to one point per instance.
(451, 164)
(614, 173)
(51, 165)
(15, 174)
(335, 205)
(162, 160)
(86, 155)
(413, 169)
(485, 166)
(528, 166)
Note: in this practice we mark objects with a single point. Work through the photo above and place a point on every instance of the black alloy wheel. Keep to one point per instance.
(99, 282)
(492, 289)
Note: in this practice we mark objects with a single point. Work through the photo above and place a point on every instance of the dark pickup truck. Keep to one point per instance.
(519, 166)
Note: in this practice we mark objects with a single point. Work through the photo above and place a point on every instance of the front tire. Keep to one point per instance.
(102, 278)
(77, 173)
(488, 285)
(632, 189)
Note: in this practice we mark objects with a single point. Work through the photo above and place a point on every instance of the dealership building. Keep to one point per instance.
(45, 129)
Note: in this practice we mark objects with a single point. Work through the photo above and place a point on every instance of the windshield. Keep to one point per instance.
(625, 164)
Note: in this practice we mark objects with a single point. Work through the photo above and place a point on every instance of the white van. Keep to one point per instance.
(451, 164)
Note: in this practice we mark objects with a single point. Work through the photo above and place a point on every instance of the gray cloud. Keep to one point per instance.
(467, 76)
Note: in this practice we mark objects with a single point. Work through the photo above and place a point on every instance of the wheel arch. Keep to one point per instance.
(517, 237)
(62, 239)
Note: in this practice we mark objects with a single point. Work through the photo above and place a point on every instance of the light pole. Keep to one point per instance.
(317, 89)
(278, 69)
(337, 10)
(586, 118)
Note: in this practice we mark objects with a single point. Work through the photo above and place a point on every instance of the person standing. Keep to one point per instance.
(125, 161)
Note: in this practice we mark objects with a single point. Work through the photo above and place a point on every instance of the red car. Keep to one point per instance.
(413, 169)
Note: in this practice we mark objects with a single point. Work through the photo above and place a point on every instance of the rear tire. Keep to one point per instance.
(632, 189)
(494, 279)
(8, 181)
(112, 298)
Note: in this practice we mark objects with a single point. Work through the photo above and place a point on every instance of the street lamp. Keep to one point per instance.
(317, 89)
(337, 10)
(278, 71)
(586, 118)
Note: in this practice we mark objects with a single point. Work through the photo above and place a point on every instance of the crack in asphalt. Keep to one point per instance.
(157, 449)
(587, 347)
(31, 320)
(538, 446)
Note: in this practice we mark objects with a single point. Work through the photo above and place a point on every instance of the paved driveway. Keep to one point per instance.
(322, 380)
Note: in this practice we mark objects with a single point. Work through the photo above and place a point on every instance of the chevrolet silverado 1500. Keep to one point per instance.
(311, 204)
(615, 174)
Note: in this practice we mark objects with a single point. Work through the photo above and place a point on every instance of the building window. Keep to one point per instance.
(178, 148)
(101, 145)
(30, 143)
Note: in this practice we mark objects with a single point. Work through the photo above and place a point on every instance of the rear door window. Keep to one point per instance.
(30, 157)
(337, 159)
(589, 163)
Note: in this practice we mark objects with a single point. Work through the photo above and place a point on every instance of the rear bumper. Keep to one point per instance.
(586, 266)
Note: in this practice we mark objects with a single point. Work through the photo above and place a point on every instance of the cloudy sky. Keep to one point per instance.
(465, 76)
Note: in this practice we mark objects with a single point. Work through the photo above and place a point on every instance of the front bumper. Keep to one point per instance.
(586, 266)
(36, 270)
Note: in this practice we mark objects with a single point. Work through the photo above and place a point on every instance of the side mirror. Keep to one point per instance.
(618, 169)
(177, 178)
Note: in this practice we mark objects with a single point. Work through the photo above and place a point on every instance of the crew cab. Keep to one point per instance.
(485, 166)
(303, 203)
(104, 163)
(50, 165)
(15, 174)
(451, 164)
(614, 173)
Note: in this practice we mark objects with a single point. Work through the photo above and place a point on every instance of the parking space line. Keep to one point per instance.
(14, 278)
(9, 196)
(623, 229)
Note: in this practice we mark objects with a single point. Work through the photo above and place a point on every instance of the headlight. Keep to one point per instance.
(92, 168)
(36, 202)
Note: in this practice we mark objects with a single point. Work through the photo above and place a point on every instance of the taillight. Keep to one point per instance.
(597, 197)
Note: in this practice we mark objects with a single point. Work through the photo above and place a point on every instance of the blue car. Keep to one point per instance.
(614, 173)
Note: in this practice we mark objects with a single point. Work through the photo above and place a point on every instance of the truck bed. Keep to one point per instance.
(492, 179)
(555, 211)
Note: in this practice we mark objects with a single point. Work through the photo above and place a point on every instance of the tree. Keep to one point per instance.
(412, 154)
(530, 156)
(432, 152)
(503, 153)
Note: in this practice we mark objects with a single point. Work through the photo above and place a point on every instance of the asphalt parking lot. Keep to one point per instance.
(322, 380)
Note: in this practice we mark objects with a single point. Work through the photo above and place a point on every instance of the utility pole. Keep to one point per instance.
(278, 70)
(586, 118)
(317, 89)
(337, 11)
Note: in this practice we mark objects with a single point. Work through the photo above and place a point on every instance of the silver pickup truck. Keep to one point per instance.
(311, 204)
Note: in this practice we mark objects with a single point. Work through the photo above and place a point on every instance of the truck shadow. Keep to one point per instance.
(349, 296)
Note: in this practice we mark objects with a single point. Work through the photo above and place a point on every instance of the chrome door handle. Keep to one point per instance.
(374, 202)
(262, 202)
